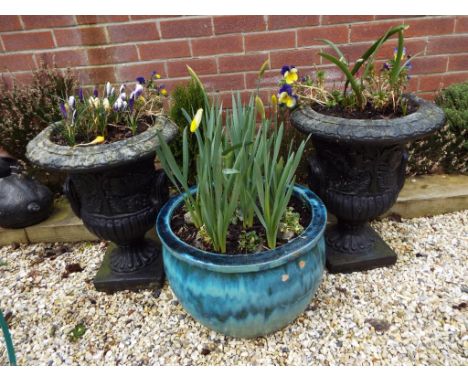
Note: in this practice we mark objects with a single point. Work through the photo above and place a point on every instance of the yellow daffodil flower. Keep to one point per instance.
(260, 106)
(274, 103)
(196, 121)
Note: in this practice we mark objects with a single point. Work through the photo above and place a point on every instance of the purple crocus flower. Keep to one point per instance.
(95, 92)
(131, 102)
(63, 110)
(138, 90)
(140, 80)
(80, 94)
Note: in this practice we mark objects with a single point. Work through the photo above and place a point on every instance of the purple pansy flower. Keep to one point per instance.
(286, 88)
(284, 69)
(140, 80)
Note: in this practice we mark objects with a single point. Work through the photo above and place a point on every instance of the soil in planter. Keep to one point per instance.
(368, 113)
(188, 232)
(114, 133)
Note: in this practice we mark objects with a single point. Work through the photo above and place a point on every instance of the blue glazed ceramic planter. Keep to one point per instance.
(246, 295)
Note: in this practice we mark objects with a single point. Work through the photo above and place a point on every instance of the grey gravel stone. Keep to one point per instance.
(416, 296)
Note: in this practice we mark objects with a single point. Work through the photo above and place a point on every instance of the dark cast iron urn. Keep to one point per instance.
(115, 189)
(358, 170)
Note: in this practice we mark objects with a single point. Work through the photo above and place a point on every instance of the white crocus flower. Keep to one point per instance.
(71, 102)
(106, 104)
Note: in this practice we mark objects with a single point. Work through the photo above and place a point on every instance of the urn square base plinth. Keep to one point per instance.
(149, 277)
(377, 254)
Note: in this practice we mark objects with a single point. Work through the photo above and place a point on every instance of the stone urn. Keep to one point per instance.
(115, 189)
(358, 170)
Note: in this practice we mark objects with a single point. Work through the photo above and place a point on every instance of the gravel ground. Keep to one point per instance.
(414, 313)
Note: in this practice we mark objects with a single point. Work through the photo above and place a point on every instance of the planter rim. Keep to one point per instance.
(44, 153)
(427, 118)
(242, 263)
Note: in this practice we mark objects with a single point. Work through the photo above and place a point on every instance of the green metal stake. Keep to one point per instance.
(8, 341)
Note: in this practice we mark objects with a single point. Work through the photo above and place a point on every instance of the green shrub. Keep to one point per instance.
(446, 150)
(190, 98)
(25, 110)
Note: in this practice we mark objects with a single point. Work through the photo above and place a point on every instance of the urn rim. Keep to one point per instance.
(243, 263)
(51, 156)
(427, 118)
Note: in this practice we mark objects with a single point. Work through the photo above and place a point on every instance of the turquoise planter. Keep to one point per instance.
(246, 295)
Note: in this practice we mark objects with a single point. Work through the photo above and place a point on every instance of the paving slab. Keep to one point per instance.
(421, 196)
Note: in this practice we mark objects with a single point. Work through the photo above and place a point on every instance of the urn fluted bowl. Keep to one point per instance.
(358, 169)
(246, 295)
(115, 189)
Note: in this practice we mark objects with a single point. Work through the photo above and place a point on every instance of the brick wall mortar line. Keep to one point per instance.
(86, 47)
(158, 20)
(169, 61)
(21, 21)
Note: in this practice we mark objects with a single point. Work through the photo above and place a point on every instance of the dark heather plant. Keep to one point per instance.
(239, 171)
(447, 149)
(25, 110)
(366, 86)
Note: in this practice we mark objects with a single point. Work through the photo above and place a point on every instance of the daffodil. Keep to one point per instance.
(286, 97)
(274, 100)
(260, 106)
(196, 121)
(289, 74)
(274, 103)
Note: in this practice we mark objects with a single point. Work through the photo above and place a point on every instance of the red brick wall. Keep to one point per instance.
(226, 51)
